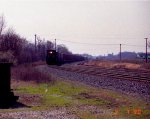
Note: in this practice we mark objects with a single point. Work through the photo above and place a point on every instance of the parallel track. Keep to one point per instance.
(127, 74)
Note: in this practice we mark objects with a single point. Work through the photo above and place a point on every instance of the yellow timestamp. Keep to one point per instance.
(129, 111)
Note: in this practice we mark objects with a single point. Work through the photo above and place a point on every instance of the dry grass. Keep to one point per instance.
(28, 72)
(117, 64)
(83, 101)
(146, 66)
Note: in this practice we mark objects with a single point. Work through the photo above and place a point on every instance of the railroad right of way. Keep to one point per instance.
(126, 86)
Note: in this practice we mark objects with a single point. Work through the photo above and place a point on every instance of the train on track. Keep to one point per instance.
(55, 58)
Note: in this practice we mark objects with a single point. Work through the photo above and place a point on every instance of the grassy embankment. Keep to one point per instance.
(44, 92)
(128, 64)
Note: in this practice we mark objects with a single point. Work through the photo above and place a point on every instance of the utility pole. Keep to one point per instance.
(35, 42)
(55, 44)
(146, 50)
(120, 53)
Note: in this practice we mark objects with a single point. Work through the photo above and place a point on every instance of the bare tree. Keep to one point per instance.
(41, 47)
(2, 24)
(12, 41)
(49, 45)
(27, 54)
(63, 49)
(149, 44)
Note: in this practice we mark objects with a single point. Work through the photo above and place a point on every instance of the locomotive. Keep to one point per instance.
(55, 58)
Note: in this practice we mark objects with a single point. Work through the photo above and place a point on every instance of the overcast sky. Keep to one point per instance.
(83, 21)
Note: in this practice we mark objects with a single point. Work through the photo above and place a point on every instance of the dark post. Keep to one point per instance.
(120, 53)
(146, 51)
(35, 42)
(55, 45)
(6, 95)
(4, 78)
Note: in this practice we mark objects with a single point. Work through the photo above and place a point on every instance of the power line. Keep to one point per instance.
(133, 45)
(86, 43)
(100, 44)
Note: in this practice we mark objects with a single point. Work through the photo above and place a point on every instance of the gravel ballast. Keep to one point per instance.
(49, 114)
(127, 86)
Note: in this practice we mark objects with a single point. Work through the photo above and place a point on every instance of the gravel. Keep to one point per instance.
(127, 86)
(49, 114)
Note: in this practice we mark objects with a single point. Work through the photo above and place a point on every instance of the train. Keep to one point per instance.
(55, 58)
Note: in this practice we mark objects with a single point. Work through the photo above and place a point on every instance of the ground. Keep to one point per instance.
(58, 98)
(117, 64)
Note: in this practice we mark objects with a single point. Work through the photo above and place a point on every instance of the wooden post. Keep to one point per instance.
(120, 53)
(146, 50)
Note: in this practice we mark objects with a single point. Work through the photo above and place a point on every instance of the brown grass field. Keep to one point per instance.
(118, 64)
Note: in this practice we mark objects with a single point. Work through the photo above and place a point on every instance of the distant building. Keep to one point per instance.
(143, 55)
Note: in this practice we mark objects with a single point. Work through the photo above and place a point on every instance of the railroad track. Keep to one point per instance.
(128, 74)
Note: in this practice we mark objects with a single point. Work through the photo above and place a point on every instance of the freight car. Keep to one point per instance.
(55, 58)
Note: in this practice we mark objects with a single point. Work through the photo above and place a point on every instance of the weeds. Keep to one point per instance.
(28, 72)
(85, 102)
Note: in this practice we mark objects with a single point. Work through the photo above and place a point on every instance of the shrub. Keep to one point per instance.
(8, 57)
(28, 72)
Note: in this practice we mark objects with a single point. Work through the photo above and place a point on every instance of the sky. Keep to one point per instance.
(96, 27)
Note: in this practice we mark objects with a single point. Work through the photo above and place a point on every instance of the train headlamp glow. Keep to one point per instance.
(50, 52)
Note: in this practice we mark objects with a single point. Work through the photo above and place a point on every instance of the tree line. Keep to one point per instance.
(16, 49)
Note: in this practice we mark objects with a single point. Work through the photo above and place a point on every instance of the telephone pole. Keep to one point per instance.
(146, 50)
(120, 53)
(35, 42)
(55, 44)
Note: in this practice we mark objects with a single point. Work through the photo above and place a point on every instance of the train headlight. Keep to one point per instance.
(50, 52)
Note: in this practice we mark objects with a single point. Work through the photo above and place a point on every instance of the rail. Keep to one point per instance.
(128, 74)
